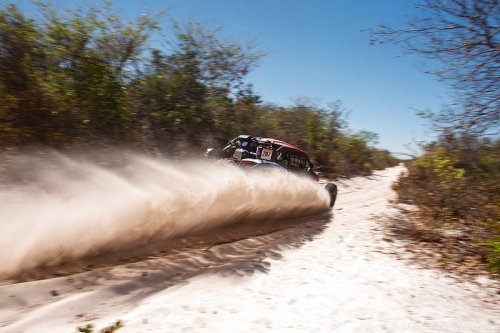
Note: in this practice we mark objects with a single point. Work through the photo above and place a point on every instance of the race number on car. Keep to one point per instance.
(266, 154)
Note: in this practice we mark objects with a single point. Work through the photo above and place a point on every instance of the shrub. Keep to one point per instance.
(455, 182)
(494, 256)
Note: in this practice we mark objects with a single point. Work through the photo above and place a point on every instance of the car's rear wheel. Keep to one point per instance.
(332, 191)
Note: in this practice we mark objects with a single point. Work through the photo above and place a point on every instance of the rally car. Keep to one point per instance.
(259, 153)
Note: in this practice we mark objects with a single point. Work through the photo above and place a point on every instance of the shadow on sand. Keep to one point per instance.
(239, 249)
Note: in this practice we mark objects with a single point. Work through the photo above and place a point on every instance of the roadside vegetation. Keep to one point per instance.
(88, 78)
(455, 182)
(455, 185)
(90, 328)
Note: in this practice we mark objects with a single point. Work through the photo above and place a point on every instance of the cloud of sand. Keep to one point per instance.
(69, 208)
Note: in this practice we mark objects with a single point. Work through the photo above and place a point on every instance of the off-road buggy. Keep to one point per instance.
(258, 153)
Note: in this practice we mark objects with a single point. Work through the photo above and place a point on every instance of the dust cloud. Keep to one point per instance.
(65, 208)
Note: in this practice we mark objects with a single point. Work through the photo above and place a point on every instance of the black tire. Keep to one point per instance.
(332, 190)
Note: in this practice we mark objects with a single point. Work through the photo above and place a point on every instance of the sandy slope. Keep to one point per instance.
(323, 274)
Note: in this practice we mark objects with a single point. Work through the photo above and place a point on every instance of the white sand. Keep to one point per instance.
(343, 280)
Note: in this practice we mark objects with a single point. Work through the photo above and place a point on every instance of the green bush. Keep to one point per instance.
(494, 255)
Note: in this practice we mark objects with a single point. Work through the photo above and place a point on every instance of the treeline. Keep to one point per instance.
(88, 77)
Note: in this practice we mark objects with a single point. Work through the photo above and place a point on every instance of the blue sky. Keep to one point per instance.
(317, 49)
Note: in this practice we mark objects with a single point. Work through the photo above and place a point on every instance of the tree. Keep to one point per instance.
(463, 36)
(218, 63)
(90, 56)
(64, 75)
(23, 104)
(194, 90)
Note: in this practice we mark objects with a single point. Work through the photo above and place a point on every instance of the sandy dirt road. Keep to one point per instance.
(328, 273)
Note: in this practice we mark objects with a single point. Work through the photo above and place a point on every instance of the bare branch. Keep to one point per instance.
(464, 36)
